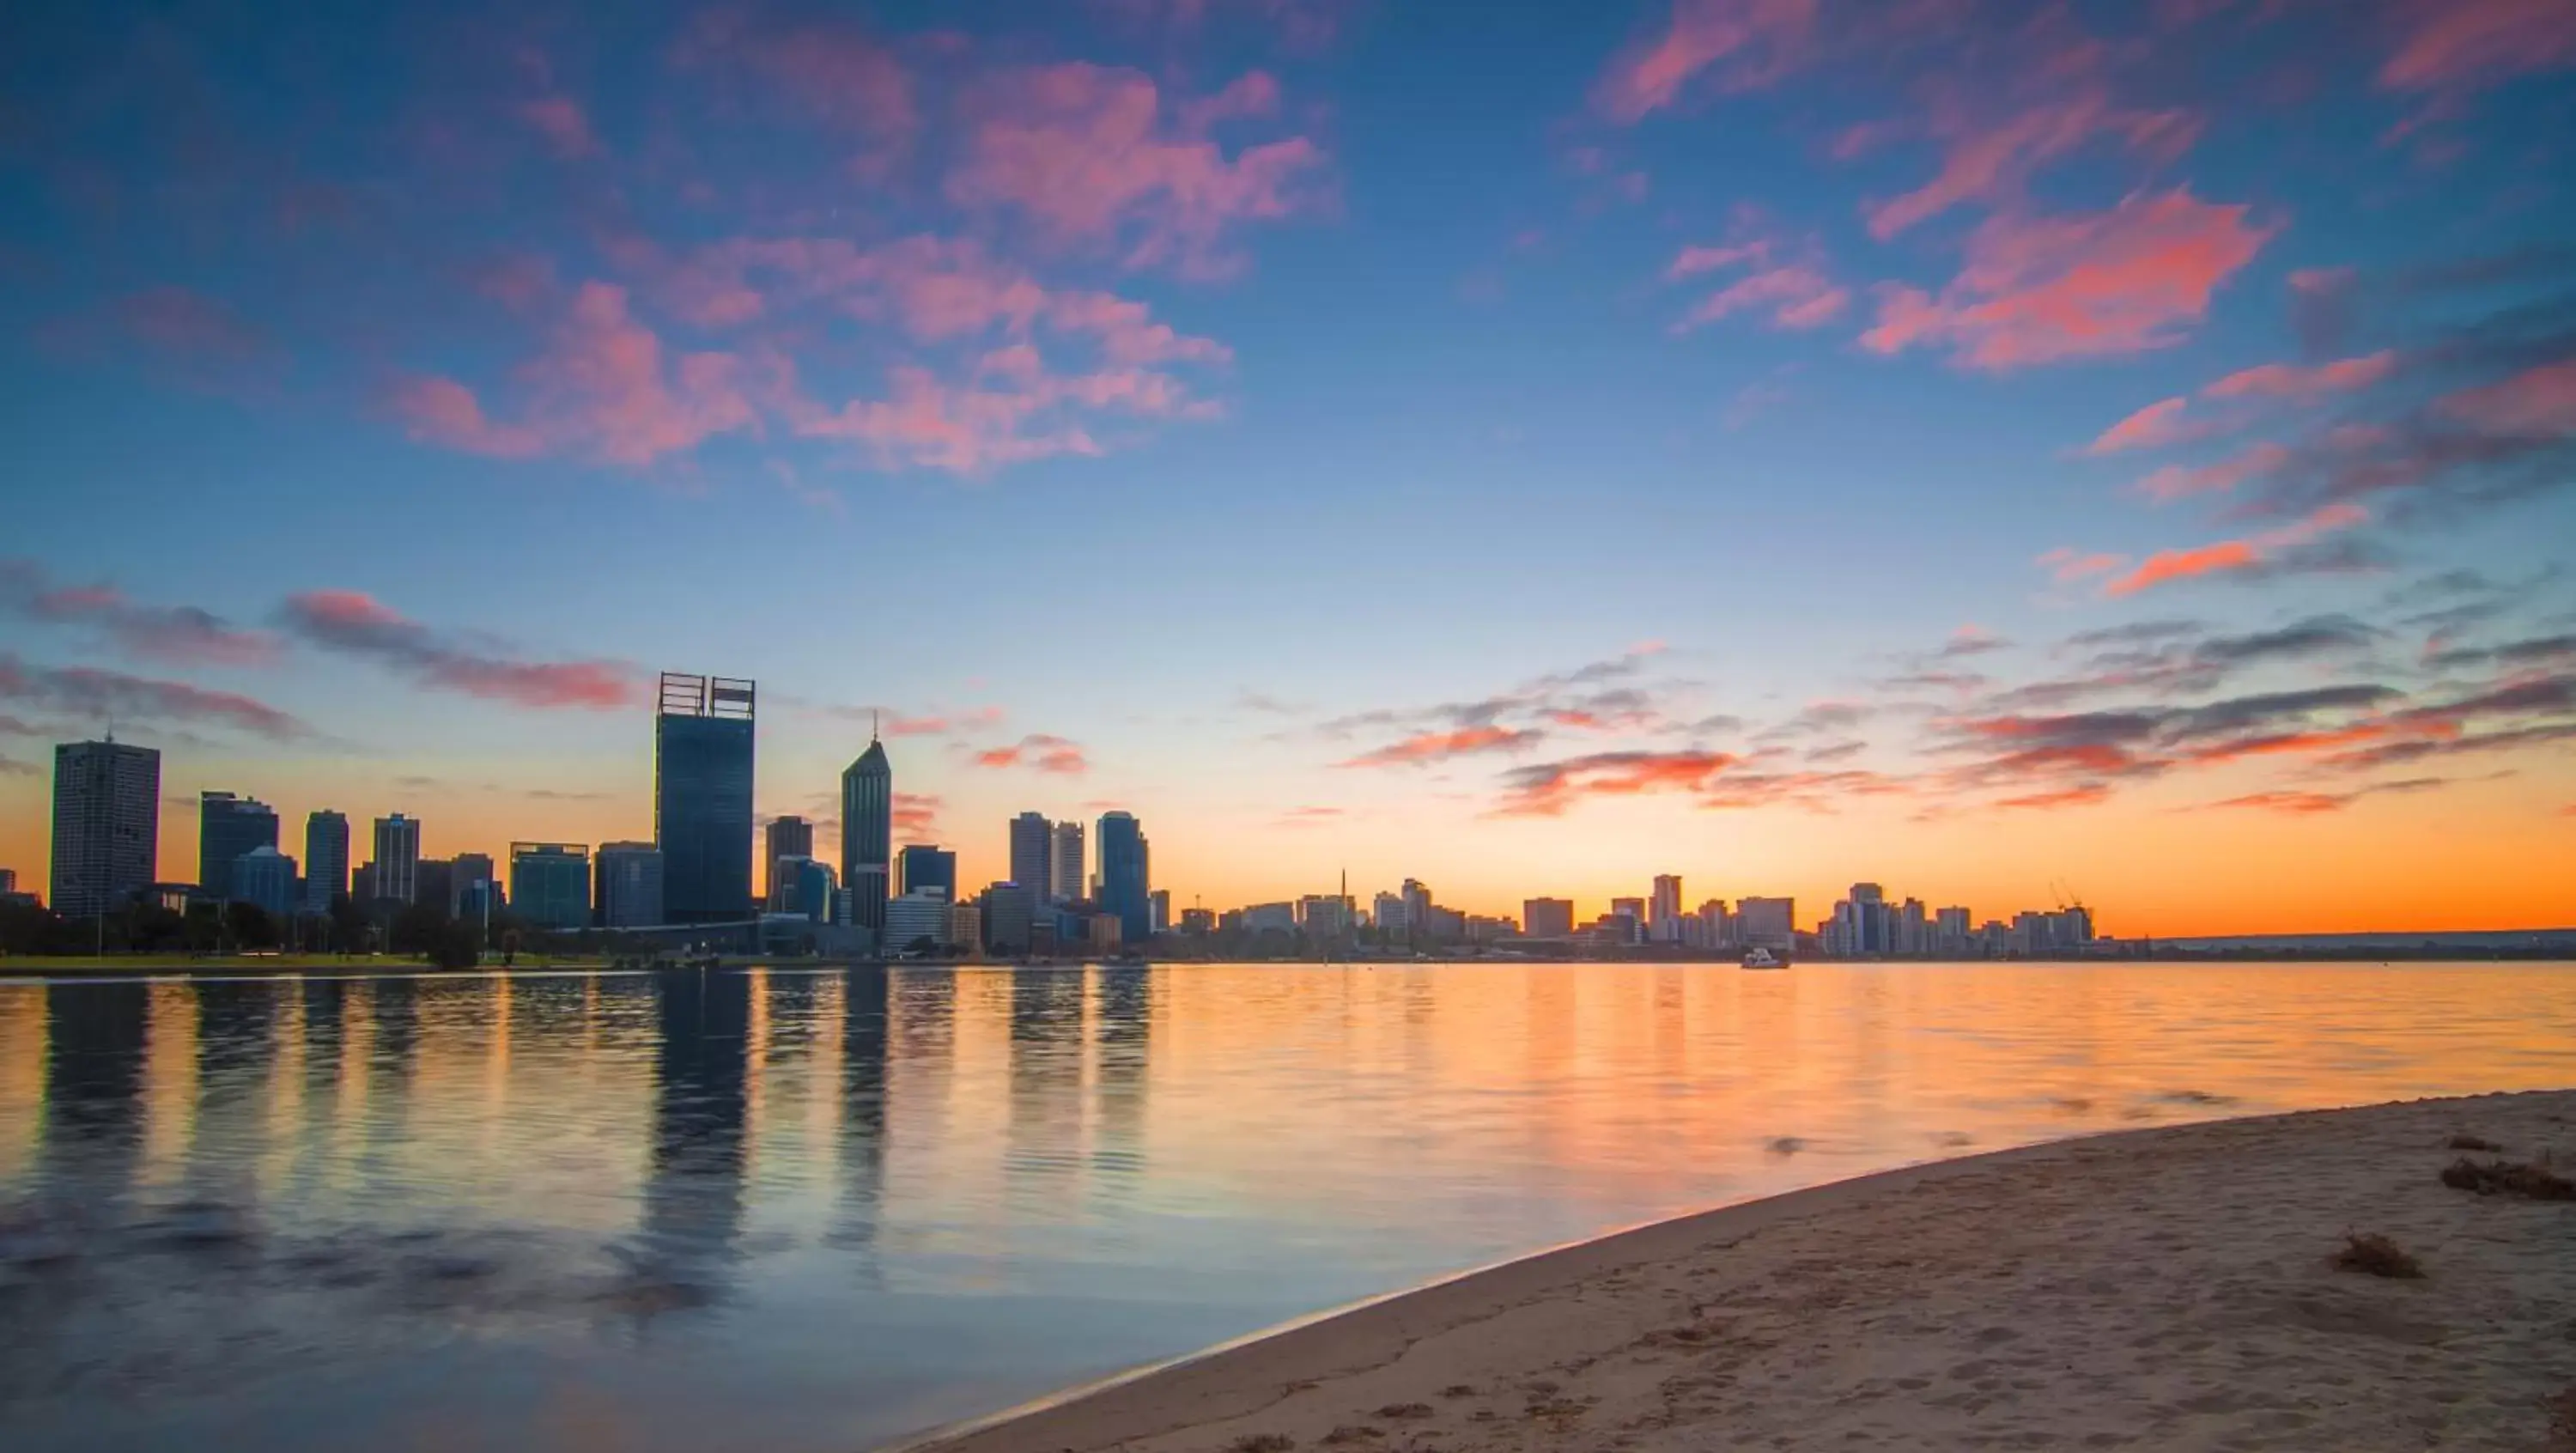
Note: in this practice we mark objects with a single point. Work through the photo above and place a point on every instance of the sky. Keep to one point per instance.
(2007, 452)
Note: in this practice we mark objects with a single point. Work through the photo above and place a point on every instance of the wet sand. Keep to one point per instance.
(2169, 1288)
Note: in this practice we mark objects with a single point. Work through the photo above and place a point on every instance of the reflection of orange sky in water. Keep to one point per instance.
(2155, 860)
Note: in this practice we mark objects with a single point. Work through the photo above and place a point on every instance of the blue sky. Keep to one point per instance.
(1238, 390)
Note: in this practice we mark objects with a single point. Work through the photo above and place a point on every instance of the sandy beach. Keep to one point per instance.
(2169, 1288)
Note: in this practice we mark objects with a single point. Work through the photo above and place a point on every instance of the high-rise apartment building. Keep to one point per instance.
(550, 883)
(397, 861)
(227, 828)
(867, 838)
(1065, 863)
(702, 784)
(1387, 914)
(1009, 913)
(1032, 842)
(629, 877)
(107, 825)
(927, 865)
(1417, 908)
(1159, 910)
(1126, 886)
(1547, 917)
(326, 859)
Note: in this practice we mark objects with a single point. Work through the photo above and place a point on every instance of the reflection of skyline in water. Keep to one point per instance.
(911, 1193)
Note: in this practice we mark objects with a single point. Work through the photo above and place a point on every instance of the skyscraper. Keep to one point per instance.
(1064, 864)
(1126, 889)
(867, 837)
(786, 837)
(702, 775)
(927, 865)
(630, 885)
(1032, 838)
(466, 870)
(326, 859)
(107, 825)
(227, 828)
(397, 861)
(1664, 914)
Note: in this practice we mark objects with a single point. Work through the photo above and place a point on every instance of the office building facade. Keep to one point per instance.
(1010, 912)
(1066, 859)
(1547, 917)
(915, 922)
(264, 878)
(1767, 923)
(397, 860)
(1032, 844)
(107, 826)
(228, 827)
(466, 870)
(550, 884)
(785, 837)
(1664, 910)
(1126, 875)
(867, 839)
(702, 785)
(326, 859)
(629, 879)
(928, 865)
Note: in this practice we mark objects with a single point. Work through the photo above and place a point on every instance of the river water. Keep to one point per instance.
(795, 1210)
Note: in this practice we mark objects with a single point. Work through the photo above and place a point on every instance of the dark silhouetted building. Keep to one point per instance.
(227, 828)
(326, 859)
(397, 861)
(1548, 917)
(630, 885)
(1009, 913)
(464, 871)
(786, 837)
(550, 884)
(1032, 837)
(702, 778)
(1126, 891)
(265, 877)
(927, 865)
(867, 837)
(107, 825)
(434, 884)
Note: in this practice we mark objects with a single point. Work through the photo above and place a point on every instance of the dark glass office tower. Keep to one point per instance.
(867, 836)
(107, 825)
(1124, 889)
(229, 827)
(702, 762)
(928, 865)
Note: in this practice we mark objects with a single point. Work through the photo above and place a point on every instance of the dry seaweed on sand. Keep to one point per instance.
(2508, 1178)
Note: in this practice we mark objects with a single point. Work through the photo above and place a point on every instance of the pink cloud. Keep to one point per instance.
(2043, 289)
(2537, 403)
(2227, 557)
(916, 814)
(355, 623)
(603, 387)
(2304, 383)
(1085, 152)
(1992, 162)
(1040, 752)
(86, 691)
(2175, 482)
(190, 327)
(2154, 426)
(1765, 39)
(176, 635)
(564, 125)
(2462, 43)
(1430, 747)
(1797, 296)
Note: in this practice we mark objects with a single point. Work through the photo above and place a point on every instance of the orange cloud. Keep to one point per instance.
(917, 813)
(2084, 795)
(1769, 35)
(2229, 556)
(1548, 789)
(1438, 746)
(2042, 289)
(1039, 751)
(2536, 403)
(2290, 802)
(2068, 565)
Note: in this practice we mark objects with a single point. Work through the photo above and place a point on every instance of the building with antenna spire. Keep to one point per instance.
(867, 835)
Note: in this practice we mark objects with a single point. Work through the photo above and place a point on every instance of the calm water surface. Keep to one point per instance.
(815, 1211)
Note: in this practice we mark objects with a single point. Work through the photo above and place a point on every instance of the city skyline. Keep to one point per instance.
(2126, 446)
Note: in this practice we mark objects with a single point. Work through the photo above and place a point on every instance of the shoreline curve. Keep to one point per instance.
(1357, 1346)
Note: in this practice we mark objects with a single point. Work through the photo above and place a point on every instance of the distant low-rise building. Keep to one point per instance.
(1547, 917)
(915, 922)
(265, 878)
(1767, 923)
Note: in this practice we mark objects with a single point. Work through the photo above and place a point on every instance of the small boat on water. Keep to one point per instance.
(1763, 958)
